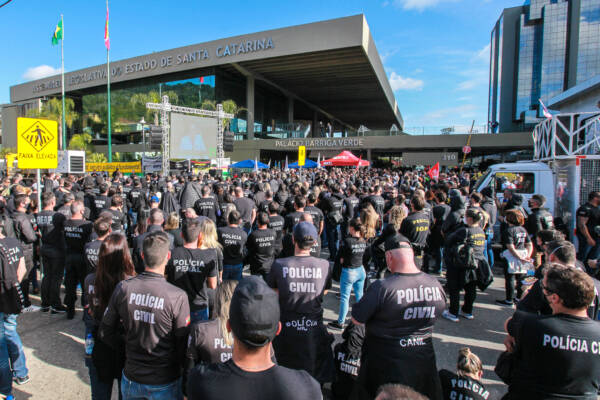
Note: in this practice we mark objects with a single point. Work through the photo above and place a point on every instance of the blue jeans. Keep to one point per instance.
(233, 271)
(100, 390)
(5, 373)
(15, 347)
(489, 251)
(351, 278)
(138, 391)
(332, 239)
(199, 315)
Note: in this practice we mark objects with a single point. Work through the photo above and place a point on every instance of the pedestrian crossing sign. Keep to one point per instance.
(37, 143)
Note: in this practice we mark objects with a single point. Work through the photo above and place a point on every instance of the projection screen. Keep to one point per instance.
(193, 137)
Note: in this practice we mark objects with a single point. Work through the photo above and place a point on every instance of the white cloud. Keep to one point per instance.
(39, 72)
(464, 111)
(400, 83)
(483, 55)
(418, 5)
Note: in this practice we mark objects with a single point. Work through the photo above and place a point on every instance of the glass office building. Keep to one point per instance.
(539, 50)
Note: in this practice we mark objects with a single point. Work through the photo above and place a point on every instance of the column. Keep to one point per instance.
(250, 106)
(291, 128)
(315, 126)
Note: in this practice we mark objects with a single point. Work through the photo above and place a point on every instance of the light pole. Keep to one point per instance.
(143, 122)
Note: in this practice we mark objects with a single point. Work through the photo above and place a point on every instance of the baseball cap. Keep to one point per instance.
(254, 312)
(396, 242)
(304, 229)
(154, 199)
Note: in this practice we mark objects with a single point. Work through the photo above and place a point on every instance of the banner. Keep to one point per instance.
(179, 165)
(134, 167)
(152, 164)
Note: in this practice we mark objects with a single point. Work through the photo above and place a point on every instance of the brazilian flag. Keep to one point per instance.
(58, 33)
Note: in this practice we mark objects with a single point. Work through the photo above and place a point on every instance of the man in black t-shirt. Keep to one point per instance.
(50, 225)
(101, 201)
(302, 281)
(194, 270)
(276, 223)
(415, 227)
(207, 205)
(399, 313)
(294, 217)
(77, 232)
(155, 316)
(315, 212)
(588, 218)
(246, 208)
(233, 239)
(557, 356)
(251, 374)
(260, 247)
(118, 217)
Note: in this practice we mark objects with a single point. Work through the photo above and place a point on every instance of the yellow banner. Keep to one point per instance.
(134, 167)
(301, 155)
(37, 143)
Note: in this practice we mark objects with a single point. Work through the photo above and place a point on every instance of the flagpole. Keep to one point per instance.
(108, 95)
(62, 68)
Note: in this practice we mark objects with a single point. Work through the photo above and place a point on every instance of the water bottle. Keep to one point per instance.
(89, 344)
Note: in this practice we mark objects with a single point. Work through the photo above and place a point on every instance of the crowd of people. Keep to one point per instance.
(204, 287)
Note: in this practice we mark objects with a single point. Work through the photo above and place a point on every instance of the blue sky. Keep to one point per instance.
(436, 52)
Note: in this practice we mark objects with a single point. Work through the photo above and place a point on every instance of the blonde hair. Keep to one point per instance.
(468, 363)
(397, 215)
(172, 221)
(223, 296)
(369, 219)
(208, 233)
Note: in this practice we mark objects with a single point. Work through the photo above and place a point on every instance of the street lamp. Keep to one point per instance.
(143, 122)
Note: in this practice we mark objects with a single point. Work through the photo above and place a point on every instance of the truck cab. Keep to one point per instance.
(525, 178)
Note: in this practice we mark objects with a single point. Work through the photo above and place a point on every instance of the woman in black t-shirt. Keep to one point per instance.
(466, 383)
(464, 276)
(353, 273)
(517, 243)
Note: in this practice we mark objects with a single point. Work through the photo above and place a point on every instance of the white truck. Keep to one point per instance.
(565, 168)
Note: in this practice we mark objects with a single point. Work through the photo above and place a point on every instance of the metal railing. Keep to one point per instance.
(567, 135)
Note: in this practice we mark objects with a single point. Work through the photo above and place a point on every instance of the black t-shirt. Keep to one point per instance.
(558, 356)
(88, 292)
(317, 215)
(416, 228)
(515, 235)
(119, 220)
(207, 344)
(228, 381)
(260, 250)
(77, 234)
(233, 240)
(102, 203)
(352, 251)
(245, 207)
(401, 305)
(50, 225)
(301, 282)
(189, 269)
(457, 387)
(475, 239)
(91, 251)
(276, 223)
(207, 207)
(291, 220)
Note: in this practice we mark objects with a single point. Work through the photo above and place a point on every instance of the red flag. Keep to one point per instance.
(106, 37)
(434, 172)
(201, 79)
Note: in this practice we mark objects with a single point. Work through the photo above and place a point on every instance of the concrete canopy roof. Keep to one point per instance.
(332, 66)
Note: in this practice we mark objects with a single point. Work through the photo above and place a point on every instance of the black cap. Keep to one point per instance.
(397, 241)
(254, 312)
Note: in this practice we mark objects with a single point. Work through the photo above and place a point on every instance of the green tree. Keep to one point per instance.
(138, 103)
(230, 107)
(52, 109)
(96, 157)
(81, 141)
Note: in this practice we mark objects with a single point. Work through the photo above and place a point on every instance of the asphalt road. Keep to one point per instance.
(54, 346)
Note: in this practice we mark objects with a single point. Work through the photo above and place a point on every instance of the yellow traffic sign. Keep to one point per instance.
(301, 155)
(37, 143)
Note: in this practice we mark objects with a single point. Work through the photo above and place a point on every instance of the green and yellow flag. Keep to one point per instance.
(58, 33)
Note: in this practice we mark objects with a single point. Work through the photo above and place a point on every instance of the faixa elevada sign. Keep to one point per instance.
(321, 143)
(159, 62)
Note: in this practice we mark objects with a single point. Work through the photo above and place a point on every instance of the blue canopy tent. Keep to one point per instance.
(307, 164)
(248, 164)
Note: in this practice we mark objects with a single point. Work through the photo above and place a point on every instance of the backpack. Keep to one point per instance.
(464, 256)
(11, 296)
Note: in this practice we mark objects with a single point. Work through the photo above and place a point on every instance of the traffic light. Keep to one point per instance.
(156, 137)
(228, 137)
